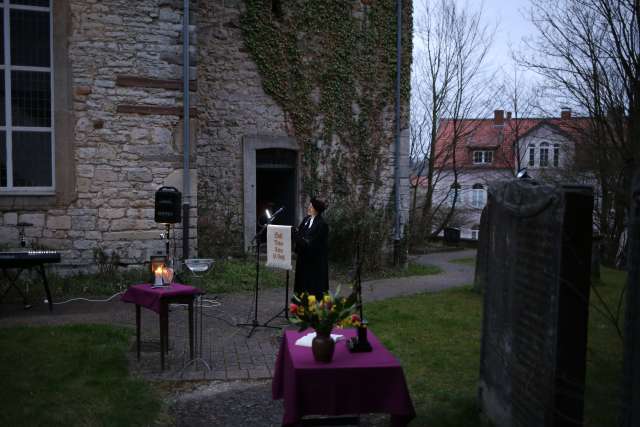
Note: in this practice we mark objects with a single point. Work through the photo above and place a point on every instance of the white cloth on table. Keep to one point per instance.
(306, 340)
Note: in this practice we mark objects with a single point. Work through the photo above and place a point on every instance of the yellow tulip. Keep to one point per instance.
(312, 300)
(327, 299)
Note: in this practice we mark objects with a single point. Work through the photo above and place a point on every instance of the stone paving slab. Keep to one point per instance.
(227, 352)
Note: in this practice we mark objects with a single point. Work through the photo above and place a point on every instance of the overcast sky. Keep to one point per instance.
(511, 17)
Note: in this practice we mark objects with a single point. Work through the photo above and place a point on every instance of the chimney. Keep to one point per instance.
(508, 115)
(565, 113)
(498, 118)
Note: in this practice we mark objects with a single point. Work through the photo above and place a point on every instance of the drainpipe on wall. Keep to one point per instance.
(186, 176)
(396, 236)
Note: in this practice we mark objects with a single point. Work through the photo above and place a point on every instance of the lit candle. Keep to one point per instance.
(158, 274)
(167, 275)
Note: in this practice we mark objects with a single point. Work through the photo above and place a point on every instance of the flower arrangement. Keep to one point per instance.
(324, 314)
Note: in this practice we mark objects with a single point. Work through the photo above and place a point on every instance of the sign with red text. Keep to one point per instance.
(279, 246)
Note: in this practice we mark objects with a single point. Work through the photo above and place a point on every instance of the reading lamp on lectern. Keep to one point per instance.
(275, 214)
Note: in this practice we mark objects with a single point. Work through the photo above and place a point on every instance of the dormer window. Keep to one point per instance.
(544, 155)
(482, 157)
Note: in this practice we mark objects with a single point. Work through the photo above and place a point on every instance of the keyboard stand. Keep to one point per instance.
(13, 284)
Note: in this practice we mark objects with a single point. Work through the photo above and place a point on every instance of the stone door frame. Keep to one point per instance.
(249, 146)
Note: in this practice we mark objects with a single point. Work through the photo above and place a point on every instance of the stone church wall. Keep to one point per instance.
(122, 78)
(124, 68)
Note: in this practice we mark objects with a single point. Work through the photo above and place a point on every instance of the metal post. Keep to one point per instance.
(186, 176)
(396, 236)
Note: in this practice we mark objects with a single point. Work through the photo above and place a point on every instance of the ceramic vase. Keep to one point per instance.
(322, 347)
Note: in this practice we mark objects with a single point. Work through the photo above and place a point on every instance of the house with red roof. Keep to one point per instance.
(470, 153)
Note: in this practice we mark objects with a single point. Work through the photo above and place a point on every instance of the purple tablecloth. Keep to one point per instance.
(149, 297)
(353, 383)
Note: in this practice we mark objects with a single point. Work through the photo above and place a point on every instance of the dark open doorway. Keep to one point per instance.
(276, 184)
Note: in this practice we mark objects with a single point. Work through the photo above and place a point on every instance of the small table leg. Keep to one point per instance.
(46, 286)
(191, 329)
(163, 332)
(138, 330)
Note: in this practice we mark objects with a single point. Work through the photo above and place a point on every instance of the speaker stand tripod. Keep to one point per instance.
(167, 237)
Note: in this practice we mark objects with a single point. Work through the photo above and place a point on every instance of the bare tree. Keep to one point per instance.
(520, 97)
(448, 82)
(588, 50)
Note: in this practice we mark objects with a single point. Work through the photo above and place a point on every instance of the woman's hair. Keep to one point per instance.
(318, 205)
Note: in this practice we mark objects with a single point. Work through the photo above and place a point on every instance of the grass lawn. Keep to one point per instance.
(604, 352)
(71, 376)
(437, 338)
(464, 261)
(237, 275)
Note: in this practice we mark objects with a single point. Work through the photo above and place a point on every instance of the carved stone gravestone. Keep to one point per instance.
(482, 256)
(536, 277)
(630, 415)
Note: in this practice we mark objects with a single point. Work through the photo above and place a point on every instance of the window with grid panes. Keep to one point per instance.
(532, 155)
(544, 155)
(26, 125)
(480, 157)
(556, 155)
(478, 196)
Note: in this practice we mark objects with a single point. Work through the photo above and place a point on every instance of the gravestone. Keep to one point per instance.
(482, 256)
(630, 415)
(536, 250)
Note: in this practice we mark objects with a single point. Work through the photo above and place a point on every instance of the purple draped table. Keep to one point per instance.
(158, 300)
(353, 383)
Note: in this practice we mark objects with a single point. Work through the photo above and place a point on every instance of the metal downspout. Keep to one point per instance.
(186, 177)
(397, 233)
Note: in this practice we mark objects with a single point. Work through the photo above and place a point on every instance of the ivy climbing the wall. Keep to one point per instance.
(331, 66)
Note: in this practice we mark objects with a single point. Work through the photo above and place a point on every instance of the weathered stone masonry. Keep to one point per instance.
(120, 157)
(118, 96)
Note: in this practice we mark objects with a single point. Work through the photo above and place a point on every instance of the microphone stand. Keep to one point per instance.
(254, 322)
(285, 310)
(360, 343)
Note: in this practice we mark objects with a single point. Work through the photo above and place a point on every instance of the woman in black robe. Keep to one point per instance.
(312, 247)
